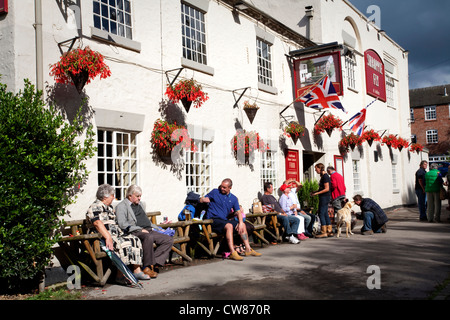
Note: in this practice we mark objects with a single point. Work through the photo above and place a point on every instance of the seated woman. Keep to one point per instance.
(290, 208)
(102, 219)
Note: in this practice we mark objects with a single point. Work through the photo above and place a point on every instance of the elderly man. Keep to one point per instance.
(221, 203)
(132, 219)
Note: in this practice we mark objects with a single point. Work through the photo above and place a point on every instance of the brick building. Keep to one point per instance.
(430, 119)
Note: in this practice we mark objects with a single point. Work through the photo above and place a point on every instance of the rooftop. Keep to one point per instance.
(430, 96)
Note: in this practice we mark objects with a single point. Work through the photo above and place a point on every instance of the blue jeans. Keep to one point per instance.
(289, 223)
(422, 203)
(370, 222)
(323, 211)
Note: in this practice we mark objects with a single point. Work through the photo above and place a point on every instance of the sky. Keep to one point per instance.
(422, 28)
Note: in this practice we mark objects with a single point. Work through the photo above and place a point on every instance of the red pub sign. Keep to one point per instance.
(375, 76)
(3, 6)
(292, 165)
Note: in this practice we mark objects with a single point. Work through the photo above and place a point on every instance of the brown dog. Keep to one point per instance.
(344, 215)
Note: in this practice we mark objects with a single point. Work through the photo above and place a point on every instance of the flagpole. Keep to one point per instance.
(304, 94)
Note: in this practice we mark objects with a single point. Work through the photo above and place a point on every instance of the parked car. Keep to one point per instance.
(442, 167)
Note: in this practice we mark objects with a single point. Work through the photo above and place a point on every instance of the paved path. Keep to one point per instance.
(408, 262)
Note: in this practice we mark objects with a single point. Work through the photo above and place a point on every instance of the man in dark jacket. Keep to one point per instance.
(374, 217)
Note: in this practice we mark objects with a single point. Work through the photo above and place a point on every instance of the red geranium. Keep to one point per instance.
(294, 129)
(416, 147)
(328, 123)
(248, 142)
(370, 135)
(390, 140)
(350, 141)
(166, 136)
(79, 60)
(188, 89)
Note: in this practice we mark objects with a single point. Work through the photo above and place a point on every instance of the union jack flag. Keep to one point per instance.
(323, 96)
(356, 122)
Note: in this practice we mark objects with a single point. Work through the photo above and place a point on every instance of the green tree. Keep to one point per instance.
(42, 165)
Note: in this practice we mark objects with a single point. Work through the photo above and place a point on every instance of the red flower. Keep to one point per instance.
(294, 129)
(351, 141)
(370, 135)
(166, 136)
(416, 147)
(76, 61)
(247, 141)
(188, 89)
(328, 122)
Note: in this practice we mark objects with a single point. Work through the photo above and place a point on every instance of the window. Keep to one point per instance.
(113, 16)
(198, 168)
(432, 136)
(411, 114)
(193, 34)
(268, 169)
(117, 160)
(263, 50)
(356, 175)
(350, 65)
(390, 86)
(394, 176)
(430, 113)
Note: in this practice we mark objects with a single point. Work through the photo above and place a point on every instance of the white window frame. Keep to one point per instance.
(193, 29)
(432, 136)
(350, 71)
(114, 17)
(390, 91)
(394, 176)
(198, 169)
(269, 168)
(430, 113)
(356, 171)
(264, 56)
(117, 160)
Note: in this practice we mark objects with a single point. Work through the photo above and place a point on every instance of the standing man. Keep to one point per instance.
(337, 188)
(221, 202)
(132, 219)
(433, 183)
(420, 190)
(374, 217)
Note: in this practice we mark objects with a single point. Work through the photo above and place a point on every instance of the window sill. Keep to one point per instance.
(197, 66)
(115, 39)
(395, 191)
(266, 88)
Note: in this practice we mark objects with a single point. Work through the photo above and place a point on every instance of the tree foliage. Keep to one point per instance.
(42, 165)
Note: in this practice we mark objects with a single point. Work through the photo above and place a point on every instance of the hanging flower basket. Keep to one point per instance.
(245, 143)
(350, 141)
(390, 141)
(416, 147)
(166, 136)
(189, 92)
(327, 124)
(402, 143)
(370, 136)
(294, 130)
(79, 67)
(250, 109)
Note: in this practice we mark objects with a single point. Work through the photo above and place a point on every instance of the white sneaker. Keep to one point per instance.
(293, 240)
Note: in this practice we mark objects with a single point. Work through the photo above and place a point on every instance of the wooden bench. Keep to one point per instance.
(79, 247)
(261, 226)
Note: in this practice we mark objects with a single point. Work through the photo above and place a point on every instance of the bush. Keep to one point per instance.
(304, 195)
(41, 169)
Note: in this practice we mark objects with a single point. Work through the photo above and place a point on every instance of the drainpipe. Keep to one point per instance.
(39, 44)
(309, 13)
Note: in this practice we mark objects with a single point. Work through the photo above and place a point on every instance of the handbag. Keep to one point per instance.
(443, 193)
(257, 206)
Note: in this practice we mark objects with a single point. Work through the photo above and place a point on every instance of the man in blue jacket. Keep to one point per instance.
(374, 217)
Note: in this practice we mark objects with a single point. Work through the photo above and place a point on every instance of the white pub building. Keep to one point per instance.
(261, 51)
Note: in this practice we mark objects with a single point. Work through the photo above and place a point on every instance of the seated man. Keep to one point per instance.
(132, 219)
(289, 223)
(309, 217)
(221, 203)
(374, 217)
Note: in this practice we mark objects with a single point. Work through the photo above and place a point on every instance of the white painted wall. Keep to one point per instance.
(138, 83)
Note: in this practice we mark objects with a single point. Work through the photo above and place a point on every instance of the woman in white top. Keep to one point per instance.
(289, 207)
